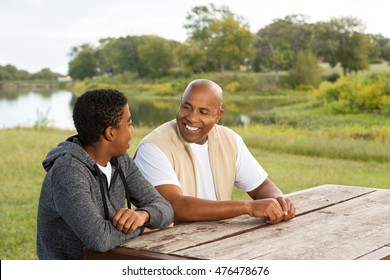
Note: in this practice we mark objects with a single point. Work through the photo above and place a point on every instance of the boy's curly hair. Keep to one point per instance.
(96, 110)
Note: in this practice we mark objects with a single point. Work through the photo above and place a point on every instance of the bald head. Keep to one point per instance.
(205, 86)
(200, 109)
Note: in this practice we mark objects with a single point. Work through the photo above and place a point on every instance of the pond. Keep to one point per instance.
(54, 109)
(32, 108)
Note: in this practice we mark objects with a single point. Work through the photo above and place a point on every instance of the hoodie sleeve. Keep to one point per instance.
(75, 204)
(145, 197)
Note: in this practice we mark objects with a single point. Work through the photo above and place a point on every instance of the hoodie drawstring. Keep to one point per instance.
(125, 185)
(106, 216)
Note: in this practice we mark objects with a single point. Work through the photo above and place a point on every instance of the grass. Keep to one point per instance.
(321, 142)
(23, 150)
(373, 68)
(21, 175)
(298, 143)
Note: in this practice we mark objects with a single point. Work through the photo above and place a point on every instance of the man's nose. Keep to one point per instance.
(193, 115)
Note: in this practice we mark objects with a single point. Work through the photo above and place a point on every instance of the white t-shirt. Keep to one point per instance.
(158, 170)
(107, 170)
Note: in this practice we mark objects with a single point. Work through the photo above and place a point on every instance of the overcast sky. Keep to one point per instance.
(38, 34)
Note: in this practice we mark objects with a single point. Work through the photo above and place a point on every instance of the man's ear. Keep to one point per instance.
(109, 134)
(219, 115)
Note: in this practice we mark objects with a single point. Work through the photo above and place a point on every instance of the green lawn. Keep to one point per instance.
(299, 142)
(21, 174)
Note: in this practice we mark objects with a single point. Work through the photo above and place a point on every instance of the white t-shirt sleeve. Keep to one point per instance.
(249, 173)
(155, 166)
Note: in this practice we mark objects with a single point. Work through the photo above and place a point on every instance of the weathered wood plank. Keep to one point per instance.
(121, 253)
(180, 237)
(325, 195)
(379, 254)
(174, 239)
(347, 231)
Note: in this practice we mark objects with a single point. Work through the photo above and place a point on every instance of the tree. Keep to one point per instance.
(45, 74)
(305, 70)
(356, 56)
(325, 45)
(385, 51)
(342, 41)
(190, 57)
(231, 44)
(271, 53)
(382, 45)
(121, 54)
(84, 63)
(277, 44)
(224, 37)
(4, 75)
(156, 56)
(10, 72)
(198, 24)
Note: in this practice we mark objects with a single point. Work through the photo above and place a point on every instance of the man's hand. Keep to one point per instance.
(287, 207)
(127, 220)
(275, 209)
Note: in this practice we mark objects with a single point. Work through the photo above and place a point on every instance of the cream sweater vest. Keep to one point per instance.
(222, 153)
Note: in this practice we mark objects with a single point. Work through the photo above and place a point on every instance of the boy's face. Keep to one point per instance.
(124, 132)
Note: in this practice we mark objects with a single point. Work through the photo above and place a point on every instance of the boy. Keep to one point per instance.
(88, 178)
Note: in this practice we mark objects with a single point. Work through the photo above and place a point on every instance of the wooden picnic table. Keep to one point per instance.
(332, 222)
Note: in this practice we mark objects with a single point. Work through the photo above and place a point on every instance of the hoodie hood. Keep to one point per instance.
(72, 147)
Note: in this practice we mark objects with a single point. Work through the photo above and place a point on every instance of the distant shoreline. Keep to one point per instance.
(30, 85)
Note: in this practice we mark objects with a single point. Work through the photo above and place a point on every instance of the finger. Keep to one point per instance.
(131, 224)
(283, 205)
(277, 214)
(291, 210)
(127, 216)
(272, 216)
(117, 216)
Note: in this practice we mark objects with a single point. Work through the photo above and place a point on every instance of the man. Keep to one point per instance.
(194, 163)
(88, 178)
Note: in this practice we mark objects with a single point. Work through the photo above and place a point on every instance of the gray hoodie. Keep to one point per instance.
(76, 207)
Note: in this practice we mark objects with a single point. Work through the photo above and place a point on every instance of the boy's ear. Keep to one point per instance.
(109, 133)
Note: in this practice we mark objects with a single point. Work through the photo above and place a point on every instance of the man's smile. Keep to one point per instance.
(191, 129)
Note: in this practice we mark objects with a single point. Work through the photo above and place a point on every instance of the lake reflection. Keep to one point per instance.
(30, 108)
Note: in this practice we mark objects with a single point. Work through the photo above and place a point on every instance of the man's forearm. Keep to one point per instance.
(266, 190)
(197, 209)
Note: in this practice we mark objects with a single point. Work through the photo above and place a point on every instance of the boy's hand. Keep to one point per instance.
(127, 220)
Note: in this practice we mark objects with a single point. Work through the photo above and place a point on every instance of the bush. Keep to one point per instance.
(305, 70)
(357, 94)
(332, 77)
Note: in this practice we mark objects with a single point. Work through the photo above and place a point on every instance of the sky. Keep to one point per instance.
(37, 34)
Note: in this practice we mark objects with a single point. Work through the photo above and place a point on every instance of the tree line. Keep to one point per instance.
(219, 40)
(12, 73)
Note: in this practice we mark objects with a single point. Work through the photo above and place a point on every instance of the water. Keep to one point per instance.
(30, 108)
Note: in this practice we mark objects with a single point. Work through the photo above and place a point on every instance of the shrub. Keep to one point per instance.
(305, 70)
(357, 94)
